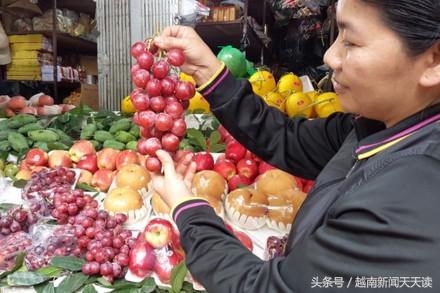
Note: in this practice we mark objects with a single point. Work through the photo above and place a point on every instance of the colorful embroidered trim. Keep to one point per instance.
(212, 78)
(401, 134)
(189, 206)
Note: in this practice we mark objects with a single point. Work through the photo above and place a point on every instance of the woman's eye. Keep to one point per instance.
(348, 44)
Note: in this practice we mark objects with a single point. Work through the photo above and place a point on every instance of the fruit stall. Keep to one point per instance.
(77, 209)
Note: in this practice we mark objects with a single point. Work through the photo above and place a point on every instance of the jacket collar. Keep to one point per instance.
(373, 136)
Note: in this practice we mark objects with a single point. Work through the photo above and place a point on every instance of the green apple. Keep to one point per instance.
(11, 170)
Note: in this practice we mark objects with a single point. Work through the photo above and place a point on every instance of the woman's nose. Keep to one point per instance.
(333, 57)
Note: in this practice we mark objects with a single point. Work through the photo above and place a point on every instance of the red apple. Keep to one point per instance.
(247, 168)
(165, 264)
(224, 134)
(107, 158)
(244, 239)
(37, 157)
(102, 179)
(235, 151)
(126, 157)
(80, 149)
(263, 167)
(308, 186)
(89, 163)
(24, 166)
(142, 260)
(225, 168)
(204, 161)
(159, 233)
(85, 177)
(237, 181)
(59, 158)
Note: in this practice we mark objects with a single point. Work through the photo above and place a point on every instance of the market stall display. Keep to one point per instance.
(79, 201)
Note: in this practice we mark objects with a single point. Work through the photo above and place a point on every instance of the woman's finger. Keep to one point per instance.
(182, 166)
(167, 163)
(189, 174)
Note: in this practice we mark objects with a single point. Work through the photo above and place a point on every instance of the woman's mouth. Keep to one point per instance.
(339, 88)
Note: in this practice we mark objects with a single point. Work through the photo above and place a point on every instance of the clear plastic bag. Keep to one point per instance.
(275, 247)
(190, 12)
(10, 246)
(49, 241)
(157, 251)
(45, 183)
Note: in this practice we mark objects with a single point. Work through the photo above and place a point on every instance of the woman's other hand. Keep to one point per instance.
(200, 62)
(175, 184)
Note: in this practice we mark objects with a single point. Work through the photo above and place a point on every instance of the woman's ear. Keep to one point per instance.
(431, 75)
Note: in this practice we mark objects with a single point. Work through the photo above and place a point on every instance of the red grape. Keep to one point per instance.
(179, 127)
(176, 57)
(170, 142)
(153, 164)
(157, 104)
(135, 68)
(141, 78)
(160, 69)
(106, 269)
(168, 86)
(146, 119)
(141, 102)
(145, 60)
(163, 122)
(153, 87)
(185, 90)
(137, 49)
(174, 109)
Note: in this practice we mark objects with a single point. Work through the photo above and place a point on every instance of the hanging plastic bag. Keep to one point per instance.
(190, 12)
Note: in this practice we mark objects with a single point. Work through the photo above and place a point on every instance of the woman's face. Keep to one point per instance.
(373, 74)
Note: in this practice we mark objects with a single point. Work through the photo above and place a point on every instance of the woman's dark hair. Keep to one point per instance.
(417, 22)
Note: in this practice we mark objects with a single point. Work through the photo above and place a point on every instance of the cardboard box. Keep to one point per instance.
(90, 95)
(90, 64)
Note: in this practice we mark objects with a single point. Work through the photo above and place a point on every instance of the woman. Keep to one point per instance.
(373, 211)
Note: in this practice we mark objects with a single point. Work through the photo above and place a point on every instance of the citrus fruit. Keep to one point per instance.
(198, 102)
(299, 104)
(327, 104)
(186, 77)
(276, 100)
(127, 105)
(289, 84)
(262, 82)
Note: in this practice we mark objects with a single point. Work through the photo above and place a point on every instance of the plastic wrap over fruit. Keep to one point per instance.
(47, 182)
(252, 208)
(157, 251)
(49, 241)
(275, 247)
(234, 60)
(11, 246)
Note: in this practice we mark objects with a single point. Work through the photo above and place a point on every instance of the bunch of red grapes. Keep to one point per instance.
(160, 99)
(17, 219)
(68, 204)
(61, 242)
(47, 182)
(10, 246)
(105, 243)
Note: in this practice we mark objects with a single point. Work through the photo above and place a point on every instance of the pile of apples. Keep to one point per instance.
(97, 168)
(160, 100)
(237, 165)
(157, 250)
(42, 105)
